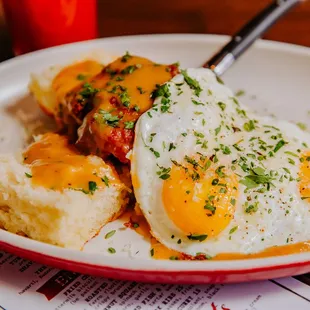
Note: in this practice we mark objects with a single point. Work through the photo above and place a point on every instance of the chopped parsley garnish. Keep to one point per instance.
(163, 173)
(135, 225)
(161, 91)
(256, 178)
(157, 154)
(217, 130)
(199, 238)
(219, 171)
(88, 91)
(241, 112)
(111, 120)
(92, 186)
(291, 153)
(233, 230)
(237, 147)
(110, 71)
(28, 175)
(173, 258)
(249, 126)
(251, 208)
(191, 161)
(125, 99)
(105, 179)
(240, 93)
(280, 144)
(219, 80)
(141, 91)
(233, 201)
(225, 149)
(197, 102)
(222, 105)
(81, 77)
(210, 208)
(152, 252)
(199, 134)
(171, 147)
(110, 234)
(126, 57)
(111, 250)
(129, 125)
(130, 69)
(302, 126)
(192, 83)
(215, 182)
(152, 135)
(291, 161)
(119, 78)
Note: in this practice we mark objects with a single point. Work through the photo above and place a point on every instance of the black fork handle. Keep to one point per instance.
(248, 34)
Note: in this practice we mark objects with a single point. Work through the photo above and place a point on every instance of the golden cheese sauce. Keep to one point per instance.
(118, 96)
(127, 94)
(160, 251)
(136, 78)
(73, 76)
(57, 165)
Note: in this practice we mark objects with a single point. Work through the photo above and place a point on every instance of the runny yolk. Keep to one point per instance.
(304, 175)
(205, 206)
(57, 165)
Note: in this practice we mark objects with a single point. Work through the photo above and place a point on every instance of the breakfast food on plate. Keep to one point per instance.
(56, 195)
(226, 180)
(211, 178)
(52, 85)
(103, 102)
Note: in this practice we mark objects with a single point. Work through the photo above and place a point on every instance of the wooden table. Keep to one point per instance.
(194, 16)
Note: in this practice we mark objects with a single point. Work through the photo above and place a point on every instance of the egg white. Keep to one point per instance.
(289, 218)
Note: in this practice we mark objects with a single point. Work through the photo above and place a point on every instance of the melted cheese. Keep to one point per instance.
(57, 165)
(73, 76)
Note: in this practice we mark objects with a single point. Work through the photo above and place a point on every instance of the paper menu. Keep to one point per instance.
(28, 285)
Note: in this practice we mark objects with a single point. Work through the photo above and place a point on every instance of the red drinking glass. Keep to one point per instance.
(37, 24)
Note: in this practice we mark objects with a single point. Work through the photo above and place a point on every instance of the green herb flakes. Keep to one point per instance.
(110, 234)
(233, 230)
(81, 77)
(129, 125)
(92, 186)
(249, 126)
(195, 237)
(192, 83)
(105, 180)
(279, 145)
(302, 126)
(222, 105)
(126, 57)
(240, 93)
(111, 250)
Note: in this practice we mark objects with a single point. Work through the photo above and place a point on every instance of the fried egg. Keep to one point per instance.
(212, 177)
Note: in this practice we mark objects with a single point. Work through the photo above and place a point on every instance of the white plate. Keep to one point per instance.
(275, 77)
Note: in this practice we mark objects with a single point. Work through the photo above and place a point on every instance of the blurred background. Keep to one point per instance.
(127, 17)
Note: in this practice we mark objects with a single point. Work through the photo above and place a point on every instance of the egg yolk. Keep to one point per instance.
(200, 205)
(304, 175)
